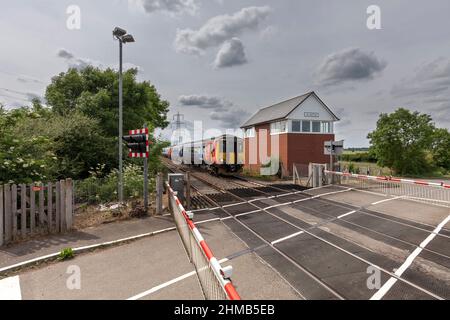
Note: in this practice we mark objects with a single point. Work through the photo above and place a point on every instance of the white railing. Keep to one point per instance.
(422, 191)
(214, 279)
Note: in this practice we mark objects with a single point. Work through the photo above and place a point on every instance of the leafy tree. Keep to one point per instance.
(76, 134)
(401, 140)
(23, 158)
(75, 140)
(94, 92)
(441, 148)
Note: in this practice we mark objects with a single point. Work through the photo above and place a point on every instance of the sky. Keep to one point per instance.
(219, 61)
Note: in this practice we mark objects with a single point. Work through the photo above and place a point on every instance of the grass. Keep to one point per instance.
(66, 254)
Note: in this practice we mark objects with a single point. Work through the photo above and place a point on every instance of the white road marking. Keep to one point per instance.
(288, 237)
(84, 248)
(301, 232)
(206, 221)
(346, 214)
(168, 283)
(388, 285)
(10, 289)
(385, 200)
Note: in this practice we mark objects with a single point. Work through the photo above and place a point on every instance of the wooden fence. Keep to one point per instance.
(27, 210)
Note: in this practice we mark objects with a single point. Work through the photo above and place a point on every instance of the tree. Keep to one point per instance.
(441, 148)
(23, 158)
(94, 92)
(401, 141)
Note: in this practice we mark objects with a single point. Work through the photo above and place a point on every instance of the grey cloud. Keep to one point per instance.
(170, 6)
(230, 119)
(428, 80)
(429, 86)
(204, 102)
(219, 29)
(349, 65)
(74, 62)
(81, 63)
(26, 79)
(231, 54)
(63, 53)
(15, 95)
(345, 115)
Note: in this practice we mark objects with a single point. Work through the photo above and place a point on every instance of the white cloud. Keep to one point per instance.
(349, 65)
(231, 54)
(219, 29)
(168, 6)
(269, 32)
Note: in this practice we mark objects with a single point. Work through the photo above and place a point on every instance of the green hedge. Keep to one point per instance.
(358, 157)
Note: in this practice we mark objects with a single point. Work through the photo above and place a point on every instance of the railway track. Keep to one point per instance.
(230, 192)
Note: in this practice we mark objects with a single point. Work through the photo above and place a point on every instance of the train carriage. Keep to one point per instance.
(222, 155)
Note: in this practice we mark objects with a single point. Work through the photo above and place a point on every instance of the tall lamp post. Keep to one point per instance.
(121, 35)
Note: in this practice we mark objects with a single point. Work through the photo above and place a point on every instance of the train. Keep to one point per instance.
(223, 155)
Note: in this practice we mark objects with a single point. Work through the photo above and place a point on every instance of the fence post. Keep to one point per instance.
(63, 205)
(50, 207)
(32, 209)
(8, 213)
(23, 210)
(58, 207)
(14, 210)
(1, 215)
(41, 207)
(188, 190)
(159, 193)
(69, 204)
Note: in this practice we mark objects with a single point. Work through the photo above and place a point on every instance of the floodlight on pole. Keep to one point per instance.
(127, 38)
(119, 32)
(121, 35)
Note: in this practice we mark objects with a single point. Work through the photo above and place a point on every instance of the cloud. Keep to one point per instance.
(74, 62)
(81, 63)
(27, 79)
(221, 110)
(14, 96)
(269, 32)
(231, 54)
(63, 53)
(205, 102)
(429, 87)
(168, 6)
(429, 80)
(232, 118)
(219, 29)
(349, 65)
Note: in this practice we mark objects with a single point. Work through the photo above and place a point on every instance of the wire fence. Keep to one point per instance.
(210, 274)
(421, 191)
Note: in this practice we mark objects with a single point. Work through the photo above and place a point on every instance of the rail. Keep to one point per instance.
(214, 280)
(417, 190)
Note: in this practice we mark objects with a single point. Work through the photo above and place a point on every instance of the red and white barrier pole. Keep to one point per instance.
(392, 179)
(214, 263)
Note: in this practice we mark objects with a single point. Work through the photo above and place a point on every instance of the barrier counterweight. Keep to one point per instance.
(209, 271)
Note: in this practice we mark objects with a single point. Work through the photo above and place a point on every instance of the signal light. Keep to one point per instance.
(138, 143)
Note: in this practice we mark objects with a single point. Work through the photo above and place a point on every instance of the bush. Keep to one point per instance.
(101, 190)
(359, 157)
